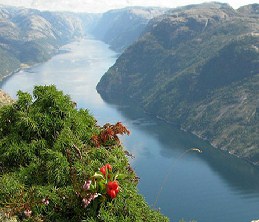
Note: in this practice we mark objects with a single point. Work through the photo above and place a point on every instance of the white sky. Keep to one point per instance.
(105, 5)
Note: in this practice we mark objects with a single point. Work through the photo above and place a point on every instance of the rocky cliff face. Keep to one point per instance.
(197, 67)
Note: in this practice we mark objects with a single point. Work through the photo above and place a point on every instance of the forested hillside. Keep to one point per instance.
(197, 67)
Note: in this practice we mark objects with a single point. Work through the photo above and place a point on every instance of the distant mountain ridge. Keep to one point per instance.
(30, 36)
(197, 67)
(121, 27)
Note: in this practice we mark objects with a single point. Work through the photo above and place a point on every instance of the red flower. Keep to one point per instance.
(104, 168)
(112, 188)
(112, 193)
(117, 190)
(108, 166)
(112, 185)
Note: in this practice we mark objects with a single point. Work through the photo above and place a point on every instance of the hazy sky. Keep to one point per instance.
(104, 5)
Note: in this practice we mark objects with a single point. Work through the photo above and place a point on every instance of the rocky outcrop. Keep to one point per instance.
(4, 98)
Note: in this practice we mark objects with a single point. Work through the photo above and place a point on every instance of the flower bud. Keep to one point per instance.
(87, 184)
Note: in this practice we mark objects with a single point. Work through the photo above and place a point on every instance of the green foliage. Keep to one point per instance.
(47, 154)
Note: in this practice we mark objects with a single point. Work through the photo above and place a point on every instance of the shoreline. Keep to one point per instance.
(24, 66)
(10, 74)
(255, 164)
(21, 68)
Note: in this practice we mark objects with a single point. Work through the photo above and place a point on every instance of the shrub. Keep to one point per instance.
(57, 164)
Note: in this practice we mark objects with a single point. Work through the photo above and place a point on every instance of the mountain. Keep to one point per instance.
(250, 10)
(197, 67)
(121, 27)
(29, 36)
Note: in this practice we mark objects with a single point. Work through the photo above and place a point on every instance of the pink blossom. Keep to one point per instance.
(45, 201)
(27, 212)
(87, 184)
(88, 200)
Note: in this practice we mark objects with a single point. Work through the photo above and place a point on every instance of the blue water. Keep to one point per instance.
(210, 186)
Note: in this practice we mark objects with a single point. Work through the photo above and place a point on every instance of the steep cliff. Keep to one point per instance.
(197, 67)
